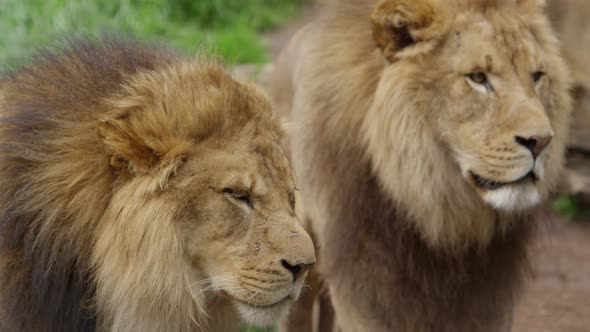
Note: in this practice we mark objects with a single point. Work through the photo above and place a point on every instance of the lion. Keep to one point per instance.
(426, 135)
(142, 191)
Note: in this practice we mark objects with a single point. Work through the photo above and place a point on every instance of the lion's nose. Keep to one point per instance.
(297, 269)
(535, 144)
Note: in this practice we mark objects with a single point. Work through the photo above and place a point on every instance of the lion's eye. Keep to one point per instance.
(239, 196)
(479, 78)
(480, 82)
(537, 76)
(292, 200)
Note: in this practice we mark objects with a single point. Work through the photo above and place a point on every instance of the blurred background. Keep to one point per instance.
(231, 29)
(248, 34)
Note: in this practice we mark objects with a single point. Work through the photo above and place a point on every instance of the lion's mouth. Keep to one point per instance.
(488, 184)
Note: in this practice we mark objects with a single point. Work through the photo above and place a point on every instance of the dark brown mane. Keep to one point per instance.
(45, 284)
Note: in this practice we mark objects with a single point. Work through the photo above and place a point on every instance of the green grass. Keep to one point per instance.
(229, 29)
(571, 208)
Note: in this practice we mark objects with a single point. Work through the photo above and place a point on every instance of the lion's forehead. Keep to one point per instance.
(264, 170)
(499, 44)
(273, 161)
(277, 172)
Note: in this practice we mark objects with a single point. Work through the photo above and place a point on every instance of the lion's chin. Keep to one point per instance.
(513, 198)
(263, 315)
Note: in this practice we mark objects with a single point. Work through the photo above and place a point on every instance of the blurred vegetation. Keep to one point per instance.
(227, 28)
(571, 207)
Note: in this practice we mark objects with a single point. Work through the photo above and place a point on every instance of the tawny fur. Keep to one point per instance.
(390, 129)
(123, 170)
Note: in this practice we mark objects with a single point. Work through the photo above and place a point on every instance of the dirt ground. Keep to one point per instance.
(557, 293)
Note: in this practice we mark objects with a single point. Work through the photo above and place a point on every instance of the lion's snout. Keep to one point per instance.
(296, 269)
(532, 129)
(298, 251)
(535, 144)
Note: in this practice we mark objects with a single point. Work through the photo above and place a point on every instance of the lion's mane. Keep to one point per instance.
(57, 181)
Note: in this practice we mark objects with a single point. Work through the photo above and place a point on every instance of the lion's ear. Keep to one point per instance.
(408, 27)
(126, 147)
(131, 144)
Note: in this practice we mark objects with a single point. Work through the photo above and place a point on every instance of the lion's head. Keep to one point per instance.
(158, 183)
(481, 99)
(207, 200)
